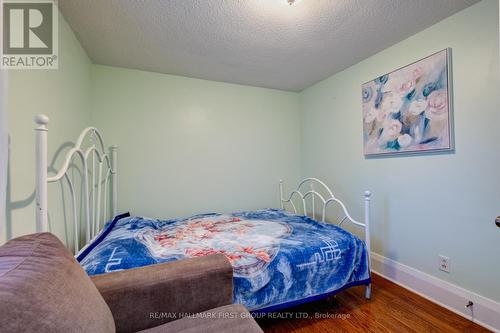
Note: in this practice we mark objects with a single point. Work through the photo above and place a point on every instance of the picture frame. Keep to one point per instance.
(410, 110)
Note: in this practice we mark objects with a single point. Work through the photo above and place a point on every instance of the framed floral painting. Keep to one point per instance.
(409, 110)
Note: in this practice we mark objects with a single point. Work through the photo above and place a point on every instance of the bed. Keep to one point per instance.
(280, 258)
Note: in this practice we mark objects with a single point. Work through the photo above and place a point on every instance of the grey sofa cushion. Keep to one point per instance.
(230, 318)
(184, 286)
(44, 289)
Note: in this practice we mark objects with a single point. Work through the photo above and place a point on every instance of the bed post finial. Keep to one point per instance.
(368, 194)
(42, 120)
(281, 194)
(114, 178)
(41, 173)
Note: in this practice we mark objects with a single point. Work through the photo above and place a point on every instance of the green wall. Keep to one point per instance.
(185, 145)
(63, 95)
(423, 205)
(190, 146)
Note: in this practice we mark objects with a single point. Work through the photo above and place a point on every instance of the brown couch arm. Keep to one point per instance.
(149, 296)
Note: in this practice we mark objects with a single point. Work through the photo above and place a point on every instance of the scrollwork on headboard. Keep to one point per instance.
(310, 186)
(97, 162)
(314, 186)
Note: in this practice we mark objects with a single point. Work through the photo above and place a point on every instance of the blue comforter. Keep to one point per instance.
(279, 259)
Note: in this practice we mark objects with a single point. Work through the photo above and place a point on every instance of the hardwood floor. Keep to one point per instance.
(392, 309)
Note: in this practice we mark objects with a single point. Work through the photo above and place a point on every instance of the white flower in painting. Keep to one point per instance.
(406, 87)
(418, 106)
(391, 103)
(392, 130)
(381, 115)
(404, 140)
(438, 105)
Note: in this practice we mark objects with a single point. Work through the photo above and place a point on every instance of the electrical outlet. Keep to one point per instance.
(444, 263)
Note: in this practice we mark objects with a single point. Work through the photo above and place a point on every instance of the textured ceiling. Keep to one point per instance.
(264, 43)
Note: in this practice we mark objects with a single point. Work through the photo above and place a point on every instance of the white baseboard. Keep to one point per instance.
(485, 312)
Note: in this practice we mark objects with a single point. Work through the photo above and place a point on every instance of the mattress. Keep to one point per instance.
(279, 259)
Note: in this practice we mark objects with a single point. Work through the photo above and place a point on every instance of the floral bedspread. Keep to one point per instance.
(279, 259)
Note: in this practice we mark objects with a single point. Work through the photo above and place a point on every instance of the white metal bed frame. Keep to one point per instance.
(93, 200)
(311, 192)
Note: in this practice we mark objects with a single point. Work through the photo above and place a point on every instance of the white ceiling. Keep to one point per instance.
(264, 43)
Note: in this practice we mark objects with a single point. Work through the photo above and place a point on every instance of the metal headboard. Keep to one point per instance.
(95, 187)
(308, 188)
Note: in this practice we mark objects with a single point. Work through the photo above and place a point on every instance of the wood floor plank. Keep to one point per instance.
(391, 309)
